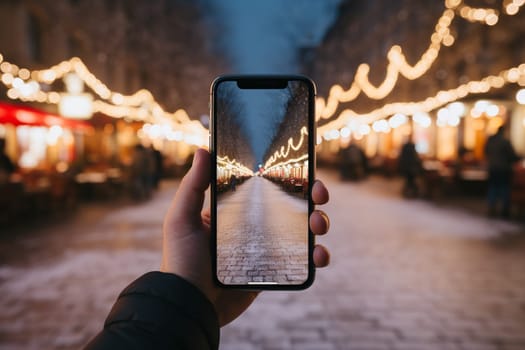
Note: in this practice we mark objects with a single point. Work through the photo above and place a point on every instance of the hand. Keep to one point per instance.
(186, 241)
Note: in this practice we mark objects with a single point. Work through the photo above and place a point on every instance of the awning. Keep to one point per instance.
(24, 115)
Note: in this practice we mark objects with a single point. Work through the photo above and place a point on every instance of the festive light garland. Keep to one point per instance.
(513, 6)
(225, 162)
(397, 64)
(349, 121)
(282, 153)
(512, 75)
(285, 163)
(141, 106)
(25, 85)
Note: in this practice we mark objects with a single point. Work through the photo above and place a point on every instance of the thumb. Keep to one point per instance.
(186, 207)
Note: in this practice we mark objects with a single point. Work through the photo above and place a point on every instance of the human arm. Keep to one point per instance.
(186, 257)
(159, 311)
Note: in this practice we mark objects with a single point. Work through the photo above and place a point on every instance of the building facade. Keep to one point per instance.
(459, 66)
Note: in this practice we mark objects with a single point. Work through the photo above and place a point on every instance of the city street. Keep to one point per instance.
(262, 235)
(97, 110)
(404, 275)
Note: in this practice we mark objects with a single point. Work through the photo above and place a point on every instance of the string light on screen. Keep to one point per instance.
(284, 150)
(225, 163)
(286, 163)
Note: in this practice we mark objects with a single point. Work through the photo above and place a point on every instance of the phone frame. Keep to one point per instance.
(263, 82)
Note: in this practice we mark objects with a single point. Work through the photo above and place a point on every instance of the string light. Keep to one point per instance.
(349, 117)
(513, 6)
(285, 163)
(397, 64)
(141, 106)
(225, 162)
(290, 145)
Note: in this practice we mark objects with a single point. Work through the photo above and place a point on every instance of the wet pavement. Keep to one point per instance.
(262, 235)
(405, 274)
(59, 281)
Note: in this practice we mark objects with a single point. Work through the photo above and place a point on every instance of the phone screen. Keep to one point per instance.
(262, 132)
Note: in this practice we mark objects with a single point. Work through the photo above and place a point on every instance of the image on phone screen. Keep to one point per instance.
(262, 151)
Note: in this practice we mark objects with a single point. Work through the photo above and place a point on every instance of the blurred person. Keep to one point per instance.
(157, 166)
(179, 307)
(151, 169)
(500, 157)
(410, 167)
(7, 167)
(353, 162)
(140, 172)
(233, 182)
(465, 159)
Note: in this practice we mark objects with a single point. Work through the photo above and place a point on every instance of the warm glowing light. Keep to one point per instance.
(422, 118)
(442, 98)
(24, 84)
(7, 78)
(224, 162)
(397, 120)
(397, 64)
(76, 106)
(481, 106)
(287, 164)
(457, 108)
(54, 133)
(290, 145)
(475, 113)
(364, 129)
(513, 6)
(453, 120)
(492, 111)
(381, 126)
(24, 74)
(520, 96)
(442, 117)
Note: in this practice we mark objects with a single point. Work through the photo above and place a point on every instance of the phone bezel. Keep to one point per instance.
(261, 80)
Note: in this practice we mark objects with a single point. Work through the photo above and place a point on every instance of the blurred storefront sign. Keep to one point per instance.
(23, 115)
(75, 104)
(34, 135)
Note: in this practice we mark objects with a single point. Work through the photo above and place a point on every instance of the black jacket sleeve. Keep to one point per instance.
(159, 311)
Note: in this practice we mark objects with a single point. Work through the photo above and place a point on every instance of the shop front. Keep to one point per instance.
(43, 147)
(449, 140)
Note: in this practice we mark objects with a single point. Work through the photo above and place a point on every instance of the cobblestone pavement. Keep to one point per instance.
(262, 235)
(404, 275)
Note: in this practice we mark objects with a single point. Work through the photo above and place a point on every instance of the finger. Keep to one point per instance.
(319, 222)
(321, 256)
(206, 213)
(187, 205)
(320, 194)
(206, 217)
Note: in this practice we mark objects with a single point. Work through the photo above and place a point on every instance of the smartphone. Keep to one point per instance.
(263, 163)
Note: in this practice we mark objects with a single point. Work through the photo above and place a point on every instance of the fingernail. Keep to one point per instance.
(326, 218)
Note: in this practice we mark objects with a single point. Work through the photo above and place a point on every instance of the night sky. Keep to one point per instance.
(263, 37)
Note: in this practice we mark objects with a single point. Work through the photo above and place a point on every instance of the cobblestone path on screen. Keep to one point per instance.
(262, 235)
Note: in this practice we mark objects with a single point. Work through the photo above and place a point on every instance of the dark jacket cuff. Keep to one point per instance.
(167, 306)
